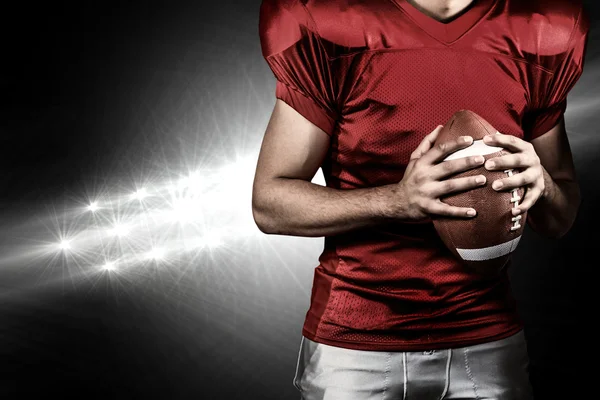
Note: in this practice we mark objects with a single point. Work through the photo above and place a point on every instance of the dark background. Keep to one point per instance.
(97, 95)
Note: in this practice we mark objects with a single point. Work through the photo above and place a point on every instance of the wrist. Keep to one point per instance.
(387, 204)
(394, 203)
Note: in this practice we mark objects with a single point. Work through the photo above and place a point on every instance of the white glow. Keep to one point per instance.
(193, 243)
(185, 210)
(204, 211)
(213, 241)
(192, 182)
(119, 230)
(109, 266)
(156, 253)
(140, 194)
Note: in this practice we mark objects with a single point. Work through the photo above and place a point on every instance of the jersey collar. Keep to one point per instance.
(448, 32)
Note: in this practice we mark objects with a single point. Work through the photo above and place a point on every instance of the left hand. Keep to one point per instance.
(524, 158)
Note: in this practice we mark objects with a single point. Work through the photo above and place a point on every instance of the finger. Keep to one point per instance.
(442, 150)
(426, 143)
(529, 199)
(524, 178)
(439, 189)
(509, 161)
(447, 168)
(437, 207)
(509, 142)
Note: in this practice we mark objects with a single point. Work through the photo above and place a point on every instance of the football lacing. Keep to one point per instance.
(515, 201)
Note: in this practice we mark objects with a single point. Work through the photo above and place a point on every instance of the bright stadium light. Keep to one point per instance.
(140, 194)
(109, 266)
(156, 253)
(203, 211)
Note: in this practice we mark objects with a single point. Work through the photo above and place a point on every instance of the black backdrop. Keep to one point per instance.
(88, 94)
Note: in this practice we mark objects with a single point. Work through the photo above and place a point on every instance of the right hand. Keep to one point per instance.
(423, 183)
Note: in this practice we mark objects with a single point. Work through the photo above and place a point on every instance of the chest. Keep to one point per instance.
(399, 96)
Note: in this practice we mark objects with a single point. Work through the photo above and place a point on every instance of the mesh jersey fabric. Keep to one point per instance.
(377, 76)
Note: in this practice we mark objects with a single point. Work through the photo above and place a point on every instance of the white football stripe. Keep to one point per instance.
(478, 148)
(489, 253)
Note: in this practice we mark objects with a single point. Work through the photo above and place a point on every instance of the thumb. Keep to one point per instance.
(426, 143)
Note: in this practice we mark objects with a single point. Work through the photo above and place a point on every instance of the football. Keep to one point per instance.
(484, 242)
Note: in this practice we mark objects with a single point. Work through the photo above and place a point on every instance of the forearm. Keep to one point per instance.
(299, 208)
(555, 211)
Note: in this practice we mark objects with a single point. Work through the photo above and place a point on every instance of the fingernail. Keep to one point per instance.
(471, 213)
(480, 179)
(490, 164)
(467, 139)
(516, 211)
(487, 138)
(479, 159)
(497, 185)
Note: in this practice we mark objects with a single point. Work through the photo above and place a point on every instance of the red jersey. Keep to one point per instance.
(379, 75)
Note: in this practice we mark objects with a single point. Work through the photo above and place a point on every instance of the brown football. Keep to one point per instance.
(485, 242)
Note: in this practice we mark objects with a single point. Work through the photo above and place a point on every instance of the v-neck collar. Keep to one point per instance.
(448, 32)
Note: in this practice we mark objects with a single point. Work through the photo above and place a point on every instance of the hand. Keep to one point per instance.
(523, 157)
(423, 183)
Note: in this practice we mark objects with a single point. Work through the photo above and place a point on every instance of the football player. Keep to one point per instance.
(362, 88)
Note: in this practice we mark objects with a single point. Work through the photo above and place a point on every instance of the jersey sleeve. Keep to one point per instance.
(550, 99)
(296, 56)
